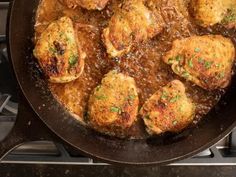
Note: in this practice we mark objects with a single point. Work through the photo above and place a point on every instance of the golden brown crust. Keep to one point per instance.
(168, 110)
(59, 53)
(204, 60)
(229, 20)
(211, 12)
(87, 4)
(113, 105)
(134, 22)
(208, 12)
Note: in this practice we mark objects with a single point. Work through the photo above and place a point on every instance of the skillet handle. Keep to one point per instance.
(28, 127)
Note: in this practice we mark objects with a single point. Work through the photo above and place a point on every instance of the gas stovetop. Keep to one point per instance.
(48, 152)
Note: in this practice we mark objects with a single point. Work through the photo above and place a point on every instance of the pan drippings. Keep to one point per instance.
(143, 62)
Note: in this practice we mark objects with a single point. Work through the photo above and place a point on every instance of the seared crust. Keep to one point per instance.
(133, 23)
(59, 53)
(211, 12)
(208, 12)
(168, 110)
(204, 60)
(87, 4)
(113, 105)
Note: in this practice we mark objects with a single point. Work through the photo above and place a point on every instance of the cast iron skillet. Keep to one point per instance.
(217, 124)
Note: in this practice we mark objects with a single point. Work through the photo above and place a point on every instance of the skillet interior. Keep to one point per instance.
(215, 125)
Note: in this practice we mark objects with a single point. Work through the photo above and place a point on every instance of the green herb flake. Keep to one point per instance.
(200, 60)
(175, 122)
(218, 65)
(190, 63)
(68, 40)
(101, 97)
(52, 50)
(177, 69)
(170, 60)
(185, 74)
(73, 60)
(197, 49)
(230, 17)
(115, 109)
(174, 99)
(178, 58)
(208, 64)
(131, 97)
(221, 75)
(164, 95)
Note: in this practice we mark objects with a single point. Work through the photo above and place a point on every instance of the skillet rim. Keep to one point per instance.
(9, 28)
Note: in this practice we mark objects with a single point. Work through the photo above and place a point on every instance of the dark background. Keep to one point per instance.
(14, 170)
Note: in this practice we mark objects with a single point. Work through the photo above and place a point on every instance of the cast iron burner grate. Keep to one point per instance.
(45, 151)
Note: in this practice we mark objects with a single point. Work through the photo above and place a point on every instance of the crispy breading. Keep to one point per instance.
(168, 110)
(204, 60)
(113, 105)
(59, 53)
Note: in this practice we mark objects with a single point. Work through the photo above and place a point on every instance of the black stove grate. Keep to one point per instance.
(48, 152)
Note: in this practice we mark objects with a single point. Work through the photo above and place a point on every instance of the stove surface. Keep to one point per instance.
(48, 152)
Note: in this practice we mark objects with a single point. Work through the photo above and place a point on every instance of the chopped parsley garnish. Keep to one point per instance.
(220, 75)
(178, 58)
(174, 99)
(230, 17)
(52, 50)
(132, 97)
(170, 60)
(190, 63)
(115, 109)
(67, 39)
(73, 60)
(200, 60)
(218, 65)
(164, 95)
(177, 69)
(197, 49)
(185, 74)
(208, 64)
(101, 97)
